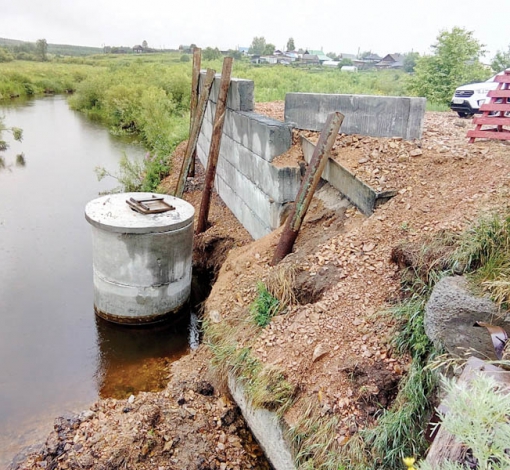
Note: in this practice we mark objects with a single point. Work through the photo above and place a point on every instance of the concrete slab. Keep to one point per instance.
(377, 116)
(279, 183)
(266, 427)
(264, 136)
(359, 193)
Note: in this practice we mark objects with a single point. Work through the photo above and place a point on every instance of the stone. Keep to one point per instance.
(450, 315)
(215, 316)
(320, 351)
(416, 152)
(131, 399)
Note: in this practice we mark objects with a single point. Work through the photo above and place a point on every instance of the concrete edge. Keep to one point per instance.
(359, 193)
(265, 426)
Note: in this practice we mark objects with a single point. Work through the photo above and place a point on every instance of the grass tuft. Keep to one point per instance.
(264, 307)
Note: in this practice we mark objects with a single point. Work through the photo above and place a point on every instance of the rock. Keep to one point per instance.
(205, 388)
(131, 399)
(215, 316)
(416, 152)
(320, 351)
(450, 315)
(367, 247)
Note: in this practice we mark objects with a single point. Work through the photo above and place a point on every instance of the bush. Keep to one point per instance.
(185, 58)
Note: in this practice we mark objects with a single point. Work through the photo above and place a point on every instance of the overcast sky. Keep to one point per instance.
(333, 25)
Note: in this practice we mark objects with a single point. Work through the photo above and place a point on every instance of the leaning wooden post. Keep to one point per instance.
(195, 131)
(308, 186)
(214, 150)
(197, 59)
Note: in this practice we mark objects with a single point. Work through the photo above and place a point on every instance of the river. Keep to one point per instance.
(55, 356)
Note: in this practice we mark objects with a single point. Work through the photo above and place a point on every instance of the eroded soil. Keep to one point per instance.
(334, 344)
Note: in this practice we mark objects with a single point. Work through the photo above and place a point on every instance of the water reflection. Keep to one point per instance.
(20, 162)
(134, 359)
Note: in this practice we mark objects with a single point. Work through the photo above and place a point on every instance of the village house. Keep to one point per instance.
(391, 61)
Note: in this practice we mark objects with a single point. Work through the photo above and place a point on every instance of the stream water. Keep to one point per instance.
(56, 357)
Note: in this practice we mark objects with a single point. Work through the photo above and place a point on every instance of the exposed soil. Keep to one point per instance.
(334, 344)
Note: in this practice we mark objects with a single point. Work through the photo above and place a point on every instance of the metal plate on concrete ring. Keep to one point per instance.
(111, 213)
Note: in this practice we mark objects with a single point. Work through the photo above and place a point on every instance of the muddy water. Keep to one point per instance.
(55, 356)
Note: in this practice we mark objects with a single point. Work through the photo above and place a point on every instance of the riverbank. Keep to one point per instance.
(333, 344)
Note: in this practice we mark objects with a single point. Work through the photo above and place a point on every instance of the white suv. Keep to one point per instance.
(468, 99)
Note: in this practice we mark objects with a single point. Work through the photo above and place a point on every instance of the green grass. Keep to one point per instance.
(484, 251)
(264, 307)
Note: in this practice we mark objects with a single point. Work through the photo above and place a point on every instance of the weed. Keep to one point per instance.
(281, 284)
(485, 251)
(478, 417)
(314, 437)
(264, 307)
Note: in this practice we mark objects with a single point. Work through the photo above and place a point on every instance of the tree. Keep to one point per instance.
(211, 54)
(144, 44)
(290, 45)
(185, 58)
(234, 54)
(5, 55)
(41, 48)
(345, 61)
(456, 60)
(410, 61)
(258, 46)
(269, 49)
(501, 61)
(332, 55)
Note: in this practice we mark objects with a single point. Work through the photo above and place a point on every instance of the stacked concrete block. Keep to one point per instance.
(254, 189)
(376, 116)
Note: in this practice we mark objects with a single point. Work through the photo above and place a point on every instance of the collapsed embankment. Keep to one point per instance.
(326, 364)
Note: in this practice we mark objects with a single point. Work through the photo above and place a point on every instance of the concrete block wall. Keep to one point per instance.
(376, 116)
(254, 189)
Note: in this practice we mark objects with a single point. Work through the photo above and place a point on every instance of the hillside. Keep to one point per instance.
(57, 49)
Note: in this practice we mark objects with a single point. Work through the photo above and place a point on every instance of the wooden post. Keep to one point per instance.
(310, 181)
(195, 131)
(197, 59)
(214, 150)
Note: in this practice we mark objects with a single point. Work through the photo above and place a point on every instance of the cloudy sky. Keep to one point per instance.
(333, 25)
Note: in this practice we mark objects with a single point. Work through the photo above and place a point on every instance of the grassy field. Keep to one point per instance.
(148, 95)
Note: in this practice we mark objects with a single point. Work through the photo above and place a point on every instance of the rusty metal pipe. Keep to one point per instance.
(308, 186)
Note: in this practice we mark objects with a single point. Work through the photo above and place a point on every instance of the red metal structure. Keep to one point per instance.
(495, 113)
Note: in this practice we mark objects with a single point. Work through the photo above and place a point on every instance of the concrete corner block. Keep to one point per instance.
(243, 211)
(240, 93)
(280, 184)
(264, 136)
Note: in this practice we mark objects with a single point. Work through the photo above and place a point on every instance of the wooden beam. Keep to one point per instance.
(197, 59)
(310, 181)
(195, 131)
(214, 149)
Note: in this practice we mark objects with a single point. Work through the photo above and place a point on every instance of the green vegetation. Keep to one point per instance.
(485, 251)
(455, 61)
(148, 100)
(501, 60)
(483, 428)
(17, 134)
(26, 79)
(41, 49)
(264, 307)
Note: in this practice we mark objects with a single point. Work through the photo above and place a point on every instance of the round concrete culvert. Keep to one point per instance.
(142, 260)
